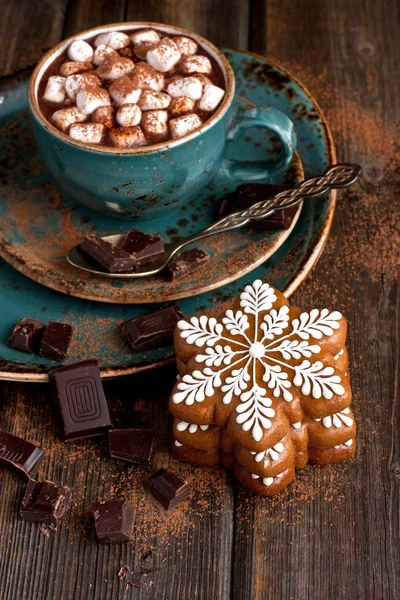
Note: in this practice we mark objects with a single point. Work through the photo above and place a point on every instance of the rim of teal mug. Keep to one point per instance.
(131, 25)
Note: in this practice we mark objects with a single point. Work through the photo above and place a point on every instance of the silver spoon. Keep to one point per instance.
(338, 176)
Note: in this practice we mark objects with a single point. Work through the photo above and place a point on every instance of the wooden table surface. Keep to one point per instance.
(334, 533)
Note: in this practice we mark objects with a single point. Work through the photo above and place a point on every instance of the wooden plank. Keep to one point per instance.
(84, 14)
(225, 23)
(334, 532)
(27, 30)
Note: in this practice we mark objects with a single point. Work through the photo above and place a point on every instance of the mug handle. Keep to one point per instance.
(273, 120)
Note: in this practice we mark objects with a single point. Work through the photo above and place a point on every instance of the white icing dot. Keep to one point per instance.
(297, 425)
(257, 350)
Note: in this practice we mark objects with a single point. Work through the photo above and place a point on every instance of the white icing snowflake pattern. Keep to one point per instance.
(227, 347)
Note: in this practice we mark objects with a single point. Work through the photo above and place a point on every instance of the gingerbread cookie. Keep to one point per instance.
(263, 389)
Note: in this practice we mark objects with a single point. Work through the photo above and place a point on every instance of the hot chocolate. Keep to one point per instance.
(129, 90)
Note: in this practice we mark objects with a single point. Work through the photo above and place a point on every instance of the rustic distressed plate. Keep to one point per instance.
(39, 225)
(96, 332)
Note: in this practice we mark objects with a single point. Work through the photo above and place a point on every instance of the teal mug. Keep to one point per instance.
(145, 182)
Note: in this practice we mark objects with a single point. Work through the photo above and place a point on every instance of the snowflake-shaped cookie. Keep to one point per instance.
(265, 379)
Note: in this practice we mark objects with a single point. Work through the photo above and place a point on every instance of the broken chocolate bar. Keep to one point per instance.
(112, 258)
(45, 501)
(248, 194)
(167, 488)
(79, 396)
(186, 262)
(19, 455)
(56, 341)
(153, 330)
(143, 247)
(133, 445)
(113, 521)
(26, 335)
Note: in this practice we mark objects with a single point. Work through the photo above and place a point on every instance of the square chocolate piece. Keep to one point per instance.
(79, 396)
(133, 445)
(113, 521)
(56, 341)
(153, 330)
(186, 262)
(109, 256)
(166, 487)
(18, 455)
(27, 335)
(143, 247)
(45, 501)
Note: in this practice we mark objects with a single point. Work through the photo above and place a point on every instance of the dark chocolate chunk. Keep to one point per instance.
(56, 341)
(113, 521)
(186, 262)
(45, 501)
(248, 194)
(153, 330)
(19, 455)
(143, 247)
(134, 445)
(26, 335)
(79, 396)
(167, 488)
(112, 258)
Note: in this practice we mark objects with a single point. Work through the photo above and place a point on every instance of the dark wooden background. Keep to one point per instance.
(334, 534)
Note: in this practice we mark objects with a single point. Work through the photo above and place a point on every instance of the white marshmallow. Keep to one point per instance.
(128, 115)
(145, 35)
(55, 89)
(150, 100)
(182, 126)
(88, 100)
(66, 117)
(155, 122)
(142, 48)
(124, 91)
(80, 51)
(181, 106)
(212, 96)
(105, 115)
(145, 76)
(186, 46)
(185, 86)
(115, 39)
(75, 83)
(72, 67)
(88, 133)
(115, 67)
(196, 64)
(102, 53)
(127, 137)
(164, 56)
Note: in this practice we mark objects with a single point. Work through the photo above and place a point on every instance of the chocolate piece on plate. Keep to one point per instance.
(134, 445)
(143, 247)
(113, 521)
(248, 194)
(153, 330)
(56, 341)
(45, 501)
(186, 262)
(112, 258)
(166, 487)
(19, 455)
(79, 396)
(26, 335)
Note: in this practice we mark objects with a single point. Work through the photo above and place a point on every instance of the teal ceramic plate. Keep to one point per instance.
(96, 333)
(39, 224)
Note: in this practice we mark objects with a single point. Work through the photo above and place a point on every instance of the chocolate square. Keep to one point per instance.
(45, 501)
(79, 396)
(153, 330)
(56, 341)
(186, 262)
(113, 521)
(166, 487)
(109, 256)
(143, 247)
(133, 445)
(26, 335)
(19, 455)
